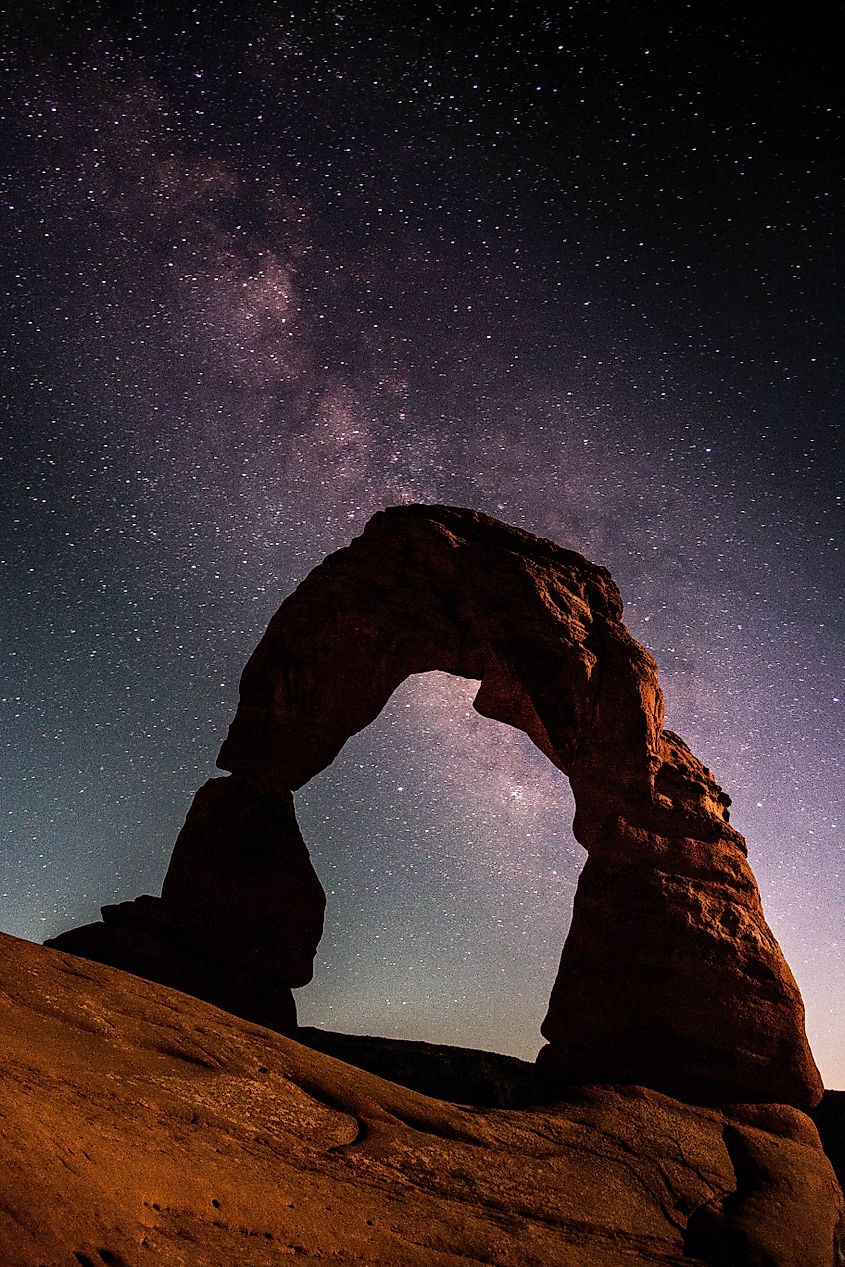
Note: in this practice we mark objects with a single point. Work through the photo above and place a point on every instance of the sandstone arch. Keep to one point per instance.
(669, 977)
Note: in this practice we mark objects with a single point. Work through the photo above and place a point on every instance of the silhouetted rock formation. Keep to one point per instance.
(485, 1079)
(138, 1125)
(670, 976)
(829, 1117)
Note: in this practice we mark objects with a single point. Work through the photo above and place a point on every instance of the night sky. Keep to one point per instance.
(267, 268)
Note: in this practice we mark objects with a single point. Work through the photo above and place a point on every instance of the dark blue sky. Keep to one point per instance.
(268, 268)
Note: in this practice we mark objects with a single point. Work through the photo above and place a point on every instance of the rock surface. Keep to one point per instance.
(141, 1126)
(670, 976)
(487, 1079)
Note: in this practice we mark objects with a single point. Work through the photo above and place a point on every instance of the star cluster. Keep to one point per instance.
(271, 267)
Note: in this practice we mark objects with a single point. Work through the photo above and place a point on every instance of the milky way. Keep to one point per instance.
(269, 268)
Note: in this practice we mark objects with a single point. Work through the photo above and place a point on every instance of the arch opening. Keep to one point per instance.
(443, 842)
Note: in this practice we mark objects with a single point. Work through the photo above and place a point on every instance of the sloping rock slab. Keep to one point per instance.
(488, 1079)
(141, 1126)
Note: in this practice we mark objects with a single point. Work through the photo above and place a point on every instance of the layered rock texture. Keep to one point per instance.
(141, 1126)
(670, 976)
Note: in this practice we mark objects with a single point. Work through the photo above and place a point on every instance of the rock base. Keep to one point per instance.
(140, 1127)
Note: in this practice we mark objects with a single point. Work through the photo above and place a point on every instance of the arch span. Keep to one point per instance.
(669, 977)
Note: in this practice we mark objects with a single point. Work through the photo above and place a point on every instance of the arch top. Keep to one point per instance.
(438, 587)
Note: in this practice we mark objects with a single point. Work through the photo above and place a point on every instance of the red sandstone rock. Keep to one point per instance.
(140, 1127)
(670, 976)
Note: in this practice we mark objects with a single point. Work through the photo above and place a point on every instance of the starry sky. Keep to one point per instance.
(269, 267)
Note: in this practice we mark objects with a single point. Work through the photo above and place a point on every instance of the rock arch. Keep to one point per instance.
(669, 977)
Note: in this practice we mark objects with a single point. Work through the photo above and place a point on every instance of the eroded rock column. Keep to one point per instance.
(670, 975)
(240, 914)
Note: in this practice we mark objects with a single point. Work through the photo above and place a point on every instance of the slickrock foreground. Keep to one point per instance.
(670, 976)
(141, 1126)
